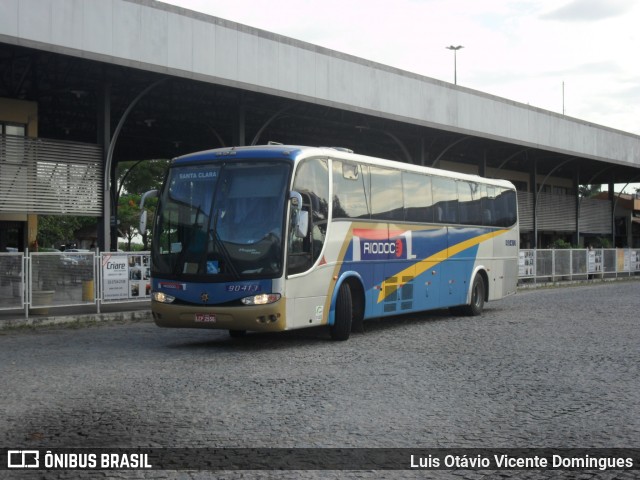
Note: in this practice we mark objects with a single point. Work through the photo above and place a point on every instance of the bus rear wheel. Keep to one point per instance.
(341, 328)
(476, 304)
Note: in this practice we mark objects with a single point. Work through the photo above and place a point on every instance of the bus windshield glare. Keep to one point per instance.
(222, 222)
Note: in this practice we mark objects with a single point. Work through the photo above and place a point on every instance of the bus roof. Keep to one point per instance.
(296, 153)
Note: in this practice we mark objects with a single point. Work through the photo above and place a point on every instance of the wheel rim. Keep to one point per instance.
(477, 294)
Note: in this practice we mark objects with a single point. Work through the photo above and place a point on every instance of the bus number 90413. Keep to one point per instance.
(243, 288)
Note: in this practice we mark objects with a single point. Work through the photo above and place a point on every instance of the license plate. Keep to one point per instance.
(205, 318)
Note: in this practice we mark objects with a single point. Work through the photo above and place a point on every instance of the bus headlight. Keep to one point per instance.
(261, 299)
(163, 297)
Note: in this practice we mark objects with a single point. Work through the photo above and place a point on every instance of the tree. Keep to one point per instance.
(128, 216)
(141, 176)
(56, 230)
(150, 206)
(135, 178)
(587, 191)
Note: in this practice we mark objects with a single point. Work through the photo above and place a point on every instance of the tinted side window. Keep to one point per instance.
(488, 207)
(312, 182)
(349, 198)
(506, 207)
(499, 207)
(386, 194)
(469, 203)
(418, 202)
(312, 178)
(485, 212)
(445, 200)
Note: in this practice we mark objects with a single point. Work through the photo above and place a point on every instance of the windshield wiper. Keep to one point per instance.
(221, 246)
(186, 248)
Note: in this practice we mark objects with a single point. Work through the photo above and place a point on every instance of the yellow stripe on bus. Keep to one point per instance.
(408, 274)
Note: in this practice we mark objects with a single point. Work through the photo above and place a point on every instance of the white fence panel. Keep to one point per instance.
(12, 281)
(577, 264)
(38, 281)
(61, 279)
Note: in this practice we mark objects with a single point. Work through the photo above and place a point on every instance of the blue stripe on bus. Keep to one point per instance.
(433, 273)
(211, 293)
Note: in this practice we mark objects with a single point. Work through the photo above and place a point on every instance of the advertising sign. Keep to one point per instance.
(526, 263)
(125, 276)
(623, 260)
(594, 261)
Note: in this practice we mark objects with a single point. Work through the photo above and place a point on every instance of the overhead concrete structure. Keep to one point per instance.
(162, 38)
(233, 84)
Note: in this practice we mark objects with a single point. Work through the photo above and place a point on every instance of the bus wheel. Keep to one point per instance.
(476, 304)
(237, 333)
(341, 327)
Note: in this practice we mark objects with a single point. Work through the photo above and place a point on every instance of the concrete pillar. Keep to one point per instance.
(612, 198)
(533, 187)
(239, 132)
(103, 139)
(32, 230)
(576, 190)
(482, 164)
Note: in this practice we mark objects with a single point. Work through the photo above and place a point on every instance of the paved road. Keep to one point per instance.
(545, 368)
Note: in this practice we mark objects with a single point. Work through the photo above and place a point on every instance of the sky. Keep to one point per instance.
(577, 57)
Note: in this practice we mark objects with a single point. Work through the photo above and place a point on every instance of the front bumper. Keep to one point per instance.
(262, 318)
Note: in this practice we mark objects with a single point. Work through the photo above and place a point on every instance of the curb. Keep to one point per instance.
(575, 283)
(84, 319)
(76, 319)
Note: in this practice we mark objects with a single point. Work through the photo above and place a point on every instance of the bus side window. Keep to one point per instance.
(418, 203)
(312, 182)
(469, 194)
(506, 209)
(488, 207)
(350, 185)
(303, 252)
(445, 200)
(386, 194)
(479, 198)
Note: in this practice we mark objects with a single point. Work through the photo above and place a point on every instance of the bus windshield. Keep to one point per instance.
(221, 221)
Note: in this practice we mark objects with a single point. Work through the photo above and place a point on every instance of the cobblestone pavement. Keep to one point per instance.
(545, 368)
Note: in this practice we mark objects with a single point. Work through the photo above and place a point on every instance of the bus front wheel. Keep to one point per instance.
(341, 328)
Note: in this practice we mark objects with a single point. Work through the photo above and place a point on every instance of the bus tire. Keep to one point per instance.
(341, 328)
(476, 303)
(237, 333)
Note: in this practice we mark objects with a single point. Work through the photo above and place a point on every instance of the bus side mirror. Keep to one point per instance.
(143, 214)
(302, 225)
(143, 222)
(301, 218)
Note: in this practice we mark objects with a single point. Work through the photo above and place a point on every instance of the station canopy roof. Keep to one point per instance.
(183, 115)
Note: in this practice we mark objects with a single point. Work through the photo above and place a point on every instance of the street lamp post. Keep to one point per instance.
(455, 61)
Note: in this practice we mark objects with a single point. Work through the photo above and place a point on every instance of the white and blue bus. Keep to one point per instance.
(275, 238)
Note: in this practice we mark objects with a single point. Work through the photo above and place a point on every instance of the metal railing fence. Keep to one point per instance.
(577, 264)
(38, 281)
